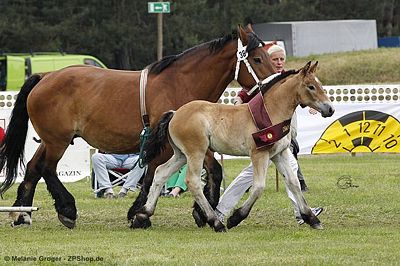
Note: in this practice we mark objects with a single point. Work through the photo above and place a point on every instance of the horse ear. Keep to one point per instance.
(242, 35)
(314, 67)
(305, 69)
(249, 28)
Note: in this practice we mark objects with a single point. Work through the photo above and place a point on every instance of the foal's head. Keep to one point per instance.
(311, 93)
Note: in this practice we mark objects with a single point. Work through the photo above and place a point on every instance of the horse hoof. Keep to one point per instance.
(220, 227)
(230, 225)
(69, 223)
(198, 219)
(23, 218)
(140, 221)
(317, 226)
(236, 218)
(232, 222)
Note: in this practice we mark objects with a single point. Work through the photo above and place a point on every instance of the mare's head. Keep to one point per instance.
(251, 57)
(310, 92)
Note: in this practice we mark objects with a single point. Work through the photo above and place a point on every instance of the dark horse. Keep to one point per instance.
(103, 107)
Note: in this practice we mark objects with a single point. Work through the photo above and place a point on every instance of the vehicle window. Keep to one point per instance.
(91, 62)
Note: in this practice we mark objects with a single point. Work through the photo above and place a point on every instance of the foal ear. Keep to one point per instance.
(314, 67)
(242, 35)
(305, 69)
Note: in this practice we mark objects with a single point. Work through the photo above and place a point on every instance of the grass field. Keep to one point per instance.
(377, 66)
(362, 224)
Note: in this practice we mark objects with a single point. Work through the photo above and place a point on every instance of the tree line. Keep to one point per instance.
(123, 34)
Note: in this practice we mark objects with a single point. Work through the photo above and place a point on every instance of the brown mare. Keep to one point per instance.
(102, 107)
(199, 125)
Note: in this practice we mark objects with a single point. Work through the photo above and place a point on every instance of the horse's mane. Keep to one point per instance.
(276, 79)
(214, 46)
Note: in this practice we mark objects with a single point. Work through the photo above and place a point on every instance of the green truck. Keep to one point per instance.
(16, 68)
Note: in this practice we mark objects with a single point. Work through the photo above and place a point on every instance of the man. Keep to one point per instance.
(102, 162)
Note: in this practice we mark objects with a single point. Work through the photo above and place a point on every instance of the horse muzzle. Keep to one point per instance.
(327, 109)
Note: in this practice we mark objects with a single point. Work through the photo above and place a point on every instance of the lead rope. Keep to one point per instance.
(144, 135)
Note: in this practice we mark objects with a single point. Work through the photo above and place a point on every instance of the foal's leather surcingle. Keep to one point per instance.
(267, 133)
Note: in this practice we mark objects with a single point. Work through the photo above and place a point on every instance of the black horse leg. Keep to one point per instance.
(147, 181)
(211, 190)
(26, 191)
(64, 202)
(142, 197)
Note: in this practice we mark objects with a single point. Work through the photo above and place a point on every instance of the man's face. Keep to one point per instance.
(278, 60)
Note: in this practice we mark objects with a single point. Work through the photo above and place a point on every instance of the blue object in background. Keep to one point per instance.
(389, 41)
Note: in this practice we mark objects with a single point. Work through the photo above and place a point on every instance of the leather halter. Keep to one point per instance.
(242, 55)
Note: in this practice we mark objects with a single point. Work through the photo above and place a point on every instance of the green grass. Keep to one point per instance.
(362, 224)
(377, 66)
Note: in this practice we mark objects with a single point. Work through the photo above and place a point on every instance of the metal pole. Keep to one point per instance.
(18, 209)
(159, 35)
(276, 180)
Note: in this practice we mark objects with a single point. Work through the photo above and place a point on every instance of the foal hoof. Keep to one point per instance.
(234, 220)
(21, 219)
(198, 219)
(219, 227)
(140, 221)
(317, 226)
(69, 223)
(230, 224)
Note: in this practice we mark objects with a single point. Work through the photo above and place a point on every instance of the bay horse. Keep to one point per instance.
(102, 106)
(200, 125)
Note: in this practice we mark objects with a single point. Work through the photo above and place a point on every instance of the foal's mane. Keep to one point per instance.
(276, 79)
(214, 46)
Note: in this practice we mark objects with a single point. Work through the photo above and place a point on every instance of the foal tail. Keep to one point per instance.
(13, 144)
(158, 138)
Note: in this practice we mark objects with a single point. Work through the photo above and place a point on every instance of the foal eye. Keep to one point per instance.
(311, 88)
(257, 60)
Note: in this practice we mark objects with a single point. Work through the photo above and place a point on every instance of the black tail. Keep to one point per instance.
(158, 138)
(12, 147)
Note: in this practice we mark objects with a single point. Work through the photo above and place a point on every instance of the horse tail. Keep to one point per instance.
(158, 138)
(13, 144)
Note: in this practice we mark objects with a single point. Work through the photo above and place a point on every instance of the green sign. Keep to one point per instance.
(159, 7)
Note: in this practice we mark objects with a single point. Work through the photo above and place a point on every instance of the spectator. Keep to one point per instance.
(176, 183)
(102, 162)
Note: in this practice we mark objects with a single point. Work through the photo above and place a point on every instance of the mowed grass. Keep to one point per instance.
(375, 66)
(362, 223)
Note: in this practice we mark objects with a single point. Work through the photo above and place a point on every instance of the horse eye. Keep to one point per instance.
(257, 60)
(311, 88)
